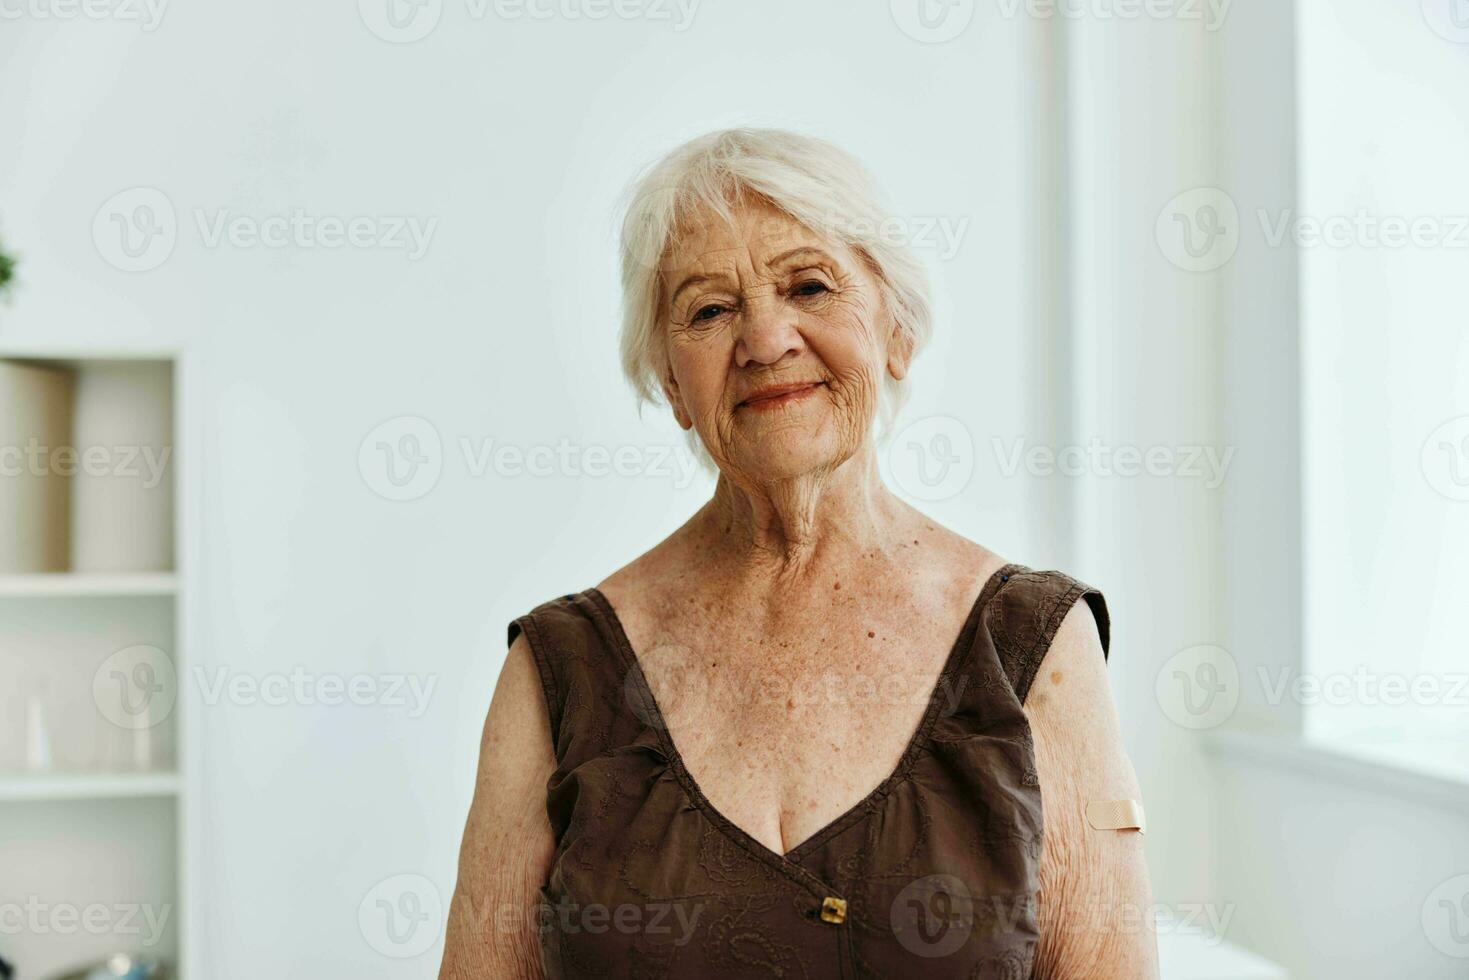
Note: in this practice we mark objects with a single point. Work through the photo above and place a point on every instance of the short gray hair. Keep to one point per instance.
(817, 183)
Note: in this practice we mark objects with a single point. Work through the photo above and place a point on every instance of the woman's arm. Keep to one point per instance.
(492, 931)
(1094, 892)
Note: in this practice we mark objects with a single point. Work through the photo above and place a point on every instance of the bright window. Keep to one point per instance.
(1383, 232)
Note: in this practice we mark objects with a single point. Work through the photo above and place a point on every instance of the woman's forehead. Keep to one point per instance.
(759, 231)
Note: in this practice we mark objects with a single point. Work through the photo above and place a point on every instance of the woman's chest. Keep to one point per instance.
(787, 725)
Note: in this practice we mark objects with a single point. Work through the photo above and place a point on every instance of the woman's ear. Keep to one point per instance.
(900, 352)
(675, 401)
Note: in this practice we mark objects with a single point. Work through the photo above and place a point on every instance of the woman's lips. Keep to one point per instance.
(774, 397)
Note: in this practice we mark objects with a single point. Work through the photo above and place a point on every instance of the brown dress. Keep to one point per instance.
(934, 874)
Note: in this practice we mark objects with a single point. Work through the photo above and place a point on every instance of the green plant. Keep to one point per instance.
(7, 269)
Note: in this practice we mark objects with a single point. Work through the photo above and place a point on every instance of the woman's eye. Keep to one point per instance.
(811, 287)
(707, 312)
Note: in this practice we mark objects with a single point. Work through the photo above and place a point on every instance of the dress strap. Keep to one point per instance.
(1025, 614)
(570, 652)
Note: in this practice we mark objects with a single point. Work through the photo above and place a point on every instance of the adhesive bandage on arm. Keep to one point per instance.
(1116, 815)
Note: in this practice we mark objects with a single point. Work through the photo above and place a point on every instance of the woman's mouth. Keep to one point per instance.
(777, 395)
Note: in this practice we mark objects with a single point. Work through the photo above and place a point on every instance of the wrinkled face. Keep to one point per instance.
(777, 344)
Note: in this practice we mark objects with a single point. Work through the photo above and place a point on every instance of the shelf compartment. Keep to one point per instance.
(42, 585)
(21, 787)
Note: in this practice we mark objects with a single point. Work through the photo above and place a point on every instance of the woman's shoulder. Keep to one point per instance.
(1037, 616)
(945, 561)
(1042, 597)
(1026, 608)
(648, 579)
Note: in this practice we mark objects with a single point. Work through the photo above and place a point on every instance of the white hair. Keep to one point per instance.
(815, 182)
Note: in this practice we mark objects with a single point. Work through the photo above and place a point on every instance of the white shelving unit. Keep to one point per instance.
(56, 786)
(97, 827)
(39, 585)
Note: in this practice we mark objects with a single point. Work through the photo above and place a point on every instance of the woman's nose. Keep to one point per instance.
(767, 332)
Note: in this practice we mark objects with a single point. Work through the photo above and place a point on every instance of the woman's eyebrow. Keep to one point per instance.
(800, 252)
(688, 283)
(803, 252)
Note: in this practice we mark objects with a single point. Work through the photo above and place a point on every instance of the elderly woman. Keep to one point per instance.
(812, 733)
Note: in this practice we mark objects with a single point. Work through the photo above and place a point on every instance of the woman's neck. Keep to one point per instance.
(789, 529)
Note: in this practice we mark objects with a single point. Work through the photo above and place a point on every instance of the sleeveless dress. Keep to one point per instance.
(934, 874)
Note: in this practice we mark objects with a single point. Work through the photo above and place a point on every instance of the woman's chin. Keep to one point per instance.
(789, 454)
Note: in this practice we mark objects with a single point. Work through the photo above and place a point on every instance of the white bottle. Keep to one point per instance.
(38, 737)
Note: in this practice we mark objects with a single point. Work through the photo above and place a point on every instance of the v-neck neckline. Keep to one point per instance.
(790, 862)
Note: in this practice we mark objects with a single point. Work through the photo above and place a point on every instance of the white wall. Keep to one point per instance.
(515, 136)
(1338, 870)
(1146, 342)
